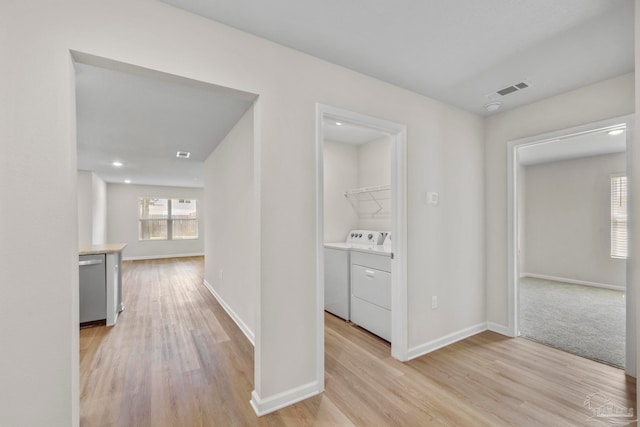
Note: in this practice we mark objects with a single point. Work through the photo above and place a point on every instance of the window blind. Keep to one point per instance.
(618, 216)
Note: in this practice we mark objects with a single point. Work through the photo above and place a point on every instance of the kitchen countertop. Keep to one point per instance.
(108, 248)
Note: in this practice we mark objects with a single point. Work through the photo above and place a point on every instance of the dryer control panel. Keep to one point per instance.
(365, 237)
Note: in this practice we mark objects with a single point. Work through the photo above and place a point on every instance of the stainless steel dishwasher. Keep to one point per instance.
(93, 290)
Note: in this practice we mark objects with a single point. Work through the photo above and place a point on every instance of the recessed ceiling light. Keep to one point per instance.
(615, 132)
(127, 181)
(117, 164)
(338, 124)
(183, 154)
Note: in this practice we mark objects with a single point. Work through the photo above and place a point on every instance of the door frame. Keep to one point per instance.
(513, 271)
(398, 136)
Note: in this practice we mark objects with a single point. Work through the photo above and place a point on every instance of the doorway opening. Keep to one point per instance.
(567, 284)
(371, 204)
(145, 134)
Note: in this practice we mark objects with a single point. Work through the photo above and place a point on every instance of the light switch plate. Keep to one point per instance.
(433, 198)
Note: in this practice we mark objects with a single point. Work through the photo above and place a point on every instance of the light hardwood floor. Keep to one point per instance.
(176, 359)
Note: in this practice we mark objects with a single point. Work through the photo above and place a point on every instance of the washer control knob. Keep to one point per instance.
(370, 237)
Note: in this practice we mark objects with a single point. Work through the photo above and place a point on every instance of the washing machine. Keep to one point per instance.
(337, 270)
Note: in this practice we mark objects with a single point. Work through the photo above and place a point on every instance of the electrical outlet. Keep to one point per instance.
(434, 302)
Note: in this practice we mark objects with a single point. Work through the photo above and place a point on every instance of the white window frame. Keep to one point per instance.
(619, 224)
(169, 219)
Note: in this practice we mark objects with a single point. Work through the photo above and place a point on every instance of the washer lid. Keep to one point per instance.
(338, 245)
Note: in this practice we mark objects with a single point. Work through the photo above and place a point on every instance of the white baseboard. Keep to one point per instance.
(499, 329)
(286, 398)
(574, 281)
(446, 340)
(140, 258)
(238, 321)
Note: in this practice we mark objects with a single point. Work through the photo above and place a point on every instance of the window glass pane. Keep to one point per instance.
(153, 229)
(152, 208)
(185, 229)
(183, 209)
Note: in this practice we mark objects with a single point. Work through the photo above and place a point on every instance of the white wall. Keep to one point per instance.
(611, 98)
(374, 168)
(340, 174)
(445, 244)
(99, 210)
(633, 176)
(347, 167)
(522, 209)
(231, 263)
(123, 214)
(92, 209)
(568, 220)
(85, 208)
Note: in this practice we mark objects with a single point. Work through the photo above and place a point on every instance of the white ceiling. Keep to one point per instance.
(143, 120)
(459, 52)
(573, 147)
(349, 133)
(456, 51)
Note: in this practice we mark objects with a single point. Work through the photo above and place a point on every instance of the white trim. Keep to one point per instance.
(257, 232)
(574, 281)
(399, 304)
(512, 240)
(238, 321)
(164, 256)
(398, 136)
(320, 251)
(512, 224)
(436, 344)
(498, 329)
(286, 398)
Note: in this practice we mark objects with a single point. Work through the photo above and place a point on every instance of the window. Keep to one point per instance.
(618, 216)
(168, 219)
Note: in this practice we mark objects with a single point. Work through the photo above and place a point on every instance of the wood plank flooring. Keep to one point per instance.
(176, 359)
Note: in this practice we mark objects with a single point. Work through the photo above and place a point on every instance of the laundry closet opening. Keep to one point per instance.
(358, 212)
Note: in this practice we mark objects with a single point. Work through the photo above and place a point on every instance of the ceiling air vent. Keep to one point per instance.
(513, 88)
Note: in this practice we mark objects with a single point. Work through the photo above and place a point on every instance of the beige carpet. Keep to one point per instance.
(582, 320)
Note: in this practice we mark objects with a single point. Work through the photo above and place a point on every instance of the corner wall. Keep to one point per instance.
(230, 239)
(568, 221)
(374, 169)
(92, 209)
(340, 163)
(85, 208)
(99, 210)
(347, 167)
